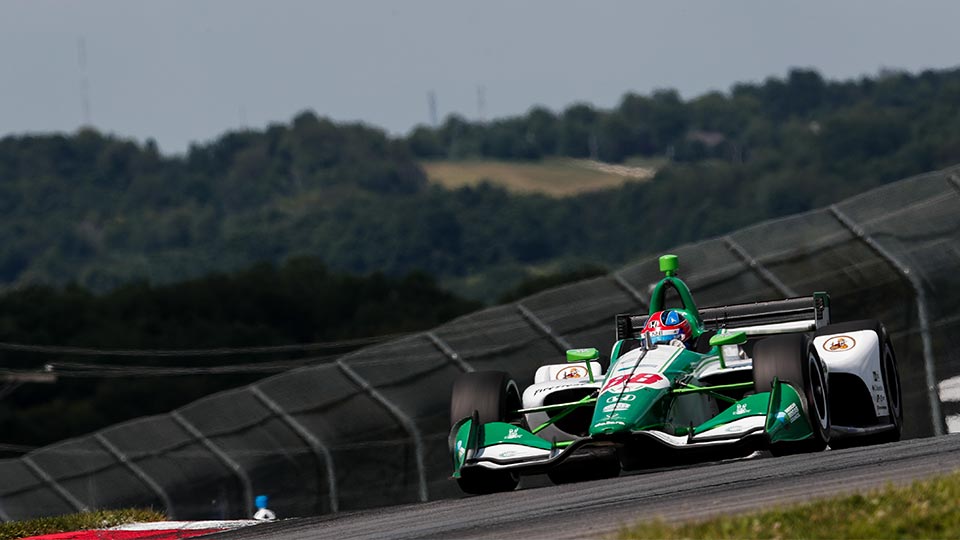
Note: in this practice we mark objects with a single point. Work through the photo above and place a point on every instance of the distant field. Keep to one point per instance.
(556, 177)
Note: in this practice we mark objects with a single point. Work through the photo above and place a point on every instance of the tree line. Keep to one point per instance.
(102, 211)
(854, 118)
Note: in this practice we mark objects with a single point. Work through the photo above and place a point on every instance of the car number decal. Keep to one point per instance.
(636, 381)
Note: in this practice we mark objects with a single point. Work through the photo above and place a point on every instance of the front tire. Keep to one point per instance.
(793, 359)
(597, 467)
(492, 394)
(494, 397)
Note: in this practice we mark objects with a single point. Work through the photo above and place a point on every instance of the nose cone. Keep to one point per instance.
(623, 412)
(616, 418)
(631, 389)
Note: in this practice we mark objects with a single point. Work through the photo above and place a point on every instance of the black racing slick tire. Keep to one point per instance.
(890, 375)
(492, 394)
(891, 381)
(481, 481)
(597, 467)
(793, 359)
(494, 397)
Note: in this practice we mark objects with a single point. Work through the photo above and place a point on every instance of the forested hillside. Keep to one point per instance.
(98, 234)
(102, 211)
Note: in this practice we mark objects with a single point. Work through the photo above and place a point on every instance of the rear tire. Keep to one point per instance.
(495, 397)
(891, 382)
(793, 359)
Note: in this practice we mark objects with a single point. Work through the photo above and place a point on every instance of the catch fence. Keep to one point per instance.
(370, 428)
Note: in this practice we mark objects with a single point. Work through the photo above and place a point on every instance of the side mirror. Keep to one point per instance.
(733, 338)
(728, 345)
(585, 356)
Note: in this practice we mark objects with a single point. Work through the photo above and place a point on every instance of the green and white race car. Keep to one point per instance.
(684, 385)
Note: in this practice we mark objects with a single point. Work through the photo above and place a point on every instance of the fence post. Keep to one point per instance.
(401, 417)
(47, 479)
(220, 454)
(557, 340)
(954, 181)
(319, 449)
(754, 264)
(630, 289)
(936, 416)
(137, 471)
(448, 351)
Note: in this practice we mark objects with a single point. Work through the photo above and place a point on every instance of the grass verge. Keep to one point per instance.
(100, 519)
(924, 509)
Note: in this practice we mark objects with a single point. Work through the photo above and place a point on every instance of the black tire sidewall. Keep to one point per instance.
(820, 425)
(895, 413)
(793, 359)
(585, 470)
(494, 395)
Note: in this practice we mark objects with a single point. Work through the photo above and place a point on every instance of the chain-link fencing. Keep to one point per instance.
(370, 428)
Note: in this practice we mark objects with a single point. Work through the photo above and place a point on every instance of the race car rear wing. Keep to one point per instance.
(788, 315)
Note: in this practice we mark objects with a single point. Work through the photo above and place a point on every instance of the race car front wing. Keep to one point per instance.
(752, 423)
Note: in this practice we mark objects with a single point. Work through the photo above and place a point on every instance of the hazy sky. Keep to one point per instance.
(184, 71)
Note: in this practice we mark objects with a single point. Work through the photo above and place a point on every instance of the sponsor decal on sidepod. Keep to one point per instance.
(557, 387)
(572, 372)
(839, 343)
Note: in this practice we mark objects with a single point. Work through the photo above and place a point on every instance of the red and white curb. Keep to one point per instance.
(158, 530)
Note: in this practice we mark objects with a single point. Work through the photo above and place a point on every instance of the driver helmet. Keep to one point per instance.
(667, 326)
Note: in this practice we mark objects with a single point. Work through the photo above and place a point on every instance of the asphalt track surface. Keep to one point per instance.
(597, 509)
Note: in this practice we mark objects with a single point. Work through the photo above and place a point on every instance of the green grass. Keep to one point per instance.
(556, 177)
(76, 522)
(924, 509)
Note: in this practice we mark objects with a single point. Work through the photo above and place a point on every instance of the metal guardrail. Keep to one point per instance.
(319, 449)
(408, 424)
